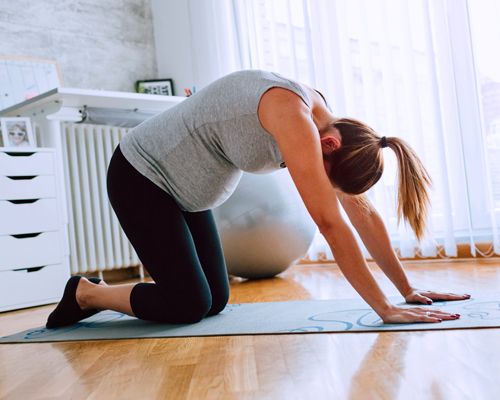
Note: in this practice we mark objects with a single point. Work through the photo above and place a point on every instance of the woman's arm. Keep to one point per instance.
(293, 129)
(354, 267)
(373, 233)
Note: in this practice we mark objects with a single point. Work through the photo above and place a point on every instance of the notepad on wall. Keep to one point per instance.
(22, 78)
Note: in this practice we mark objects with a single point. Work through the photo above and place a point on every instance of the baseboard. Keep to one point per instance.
(463, 252)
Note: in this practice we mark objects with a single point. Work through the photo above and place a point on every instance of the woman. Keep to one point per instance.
(170, 171)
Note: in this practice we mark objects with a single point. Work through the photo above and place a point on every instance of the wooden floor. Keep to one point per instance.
(458, 364)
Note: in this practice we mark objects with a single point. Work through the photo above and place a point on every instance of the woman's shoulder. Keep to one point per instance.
(278, 99)
(275, 103)
(278, 102)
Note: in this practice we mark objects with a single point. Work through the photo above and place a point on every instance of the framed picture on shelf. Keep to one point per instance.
(164, 87)
(17, 132)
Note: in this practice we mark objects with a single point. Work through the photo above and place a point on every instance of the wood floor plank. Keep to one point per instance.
(458, 364)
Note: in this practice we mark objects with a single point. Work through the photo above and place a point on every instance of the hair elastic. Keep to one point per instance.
(383, 142)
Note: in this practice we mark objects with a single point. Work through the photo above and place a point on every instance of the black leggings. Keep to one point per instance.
(180, 250)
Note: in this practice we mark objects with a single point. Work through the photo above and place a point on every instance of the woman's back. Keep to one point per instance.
(197, 149)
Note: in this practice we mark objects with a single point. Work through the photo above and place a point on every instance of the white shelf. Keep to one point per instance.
(78, 98)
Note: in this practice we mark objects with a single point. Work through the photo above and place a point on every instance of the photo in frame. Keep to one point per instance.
(17, 132)
(163, 87)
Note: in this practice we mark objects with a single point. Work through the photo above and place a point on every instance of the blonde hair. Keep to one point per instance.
(358, 164)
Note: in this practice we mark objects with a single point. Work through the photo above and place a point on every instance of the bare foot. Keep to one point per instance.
(81, 290)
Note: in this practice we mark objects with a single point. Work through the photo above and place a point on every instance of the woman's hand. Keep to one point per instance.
(426, 297)
(399, 315)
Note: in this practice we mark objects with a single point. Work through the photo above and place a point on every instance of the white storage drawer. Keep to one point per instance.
(24, 288)
(39, 216)
(28, 163)
(36, 187)
(32, 251)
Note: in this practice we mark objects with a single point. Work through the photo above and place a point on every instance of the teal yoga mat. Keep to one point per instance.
(311, 316)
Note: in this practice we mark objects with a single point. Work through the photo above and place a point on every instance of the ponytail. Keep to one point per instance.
(413, 198)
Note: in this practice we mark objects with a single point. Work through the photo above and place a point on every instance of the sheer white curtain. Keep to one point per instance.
(215, 50)
(407, 68)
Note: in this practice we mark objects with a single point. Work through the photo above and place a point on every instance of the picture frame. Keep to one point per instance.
(164, 87)
(17, 132)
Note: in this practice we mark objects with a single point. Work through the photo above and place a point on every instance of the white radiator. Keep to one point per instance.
(97, 243)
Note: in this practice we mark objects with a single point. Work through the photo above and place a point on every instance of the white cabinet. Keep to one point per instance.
(33, 270)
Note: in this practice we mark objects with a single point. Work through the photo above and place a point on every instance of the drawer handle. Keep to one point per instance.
(19, 178)
(30, 269)
(26, 235)
(20, 154)
(23, 201)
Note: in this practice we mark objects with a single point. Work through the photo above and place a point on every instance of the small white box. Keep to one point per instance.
(37, 187)
(15, 163)
(23, 288)
(21, 252)
(39, 216)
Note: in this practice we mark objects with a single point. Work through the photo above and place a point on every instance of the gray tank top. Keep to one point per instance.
(196, 151)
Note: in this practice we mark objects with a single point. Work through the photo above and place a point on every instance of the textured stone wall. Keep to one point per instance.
(99, 44)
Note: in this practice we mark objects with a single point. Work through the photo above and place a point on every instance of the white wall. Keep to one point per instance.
(196, 41)
(172, 33)
(98, 44)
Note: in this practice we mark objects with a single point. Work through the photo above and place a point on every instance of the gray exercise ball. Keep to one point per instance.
(264, 226)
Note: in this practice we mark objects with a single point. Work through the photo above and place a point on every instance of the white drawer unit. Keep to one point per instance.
(33, 266)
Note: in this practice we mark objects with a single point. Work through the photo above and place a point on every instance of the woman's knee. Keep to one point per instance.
(219, 302)
(185, 308)
(193, 308)
(196, 312)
